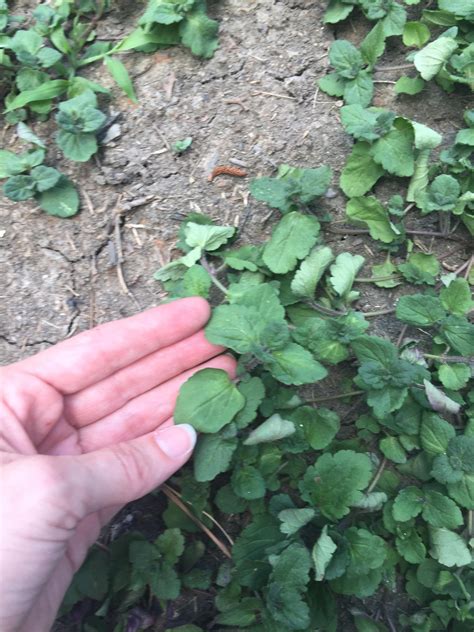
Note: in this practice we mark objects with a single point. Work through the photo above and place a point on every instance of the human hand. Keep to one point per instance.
(86, 427)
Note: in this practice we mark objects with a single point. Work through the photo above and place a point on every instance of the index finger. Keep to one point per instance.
(93, 355)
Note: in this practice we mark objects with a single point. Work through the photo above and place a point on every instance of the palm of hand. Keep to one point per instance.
(77, 443)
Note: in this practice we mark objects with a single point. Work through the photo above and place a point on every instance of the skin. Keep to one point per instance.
(86, 427)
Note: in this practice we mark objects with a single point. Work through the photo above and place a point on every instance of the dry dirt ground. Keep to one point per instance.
(255, 102)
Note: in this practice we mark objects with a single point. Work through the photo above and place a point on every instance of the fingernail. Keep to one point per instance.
(176, 441)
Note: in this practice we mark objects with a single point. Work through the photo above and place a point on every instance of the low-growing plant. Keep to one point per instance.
(323, 514)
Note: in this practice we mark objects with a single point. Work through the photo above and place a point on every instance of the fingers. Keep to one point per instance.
(93, 355)
(145, 413)
(138, 417)
(113, 392)
(129, 470)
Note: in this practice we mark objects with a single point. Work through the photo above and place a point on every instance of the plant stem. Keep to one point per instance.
(209, 269)
(328, 398)
(391, 277)
(465, 360)
(393, 68)
(327, 311)
(380, 312)
(409, 231)
(377, 476)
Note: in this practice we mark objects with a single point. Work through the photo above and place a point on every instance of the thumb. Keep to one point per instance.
(126, 471)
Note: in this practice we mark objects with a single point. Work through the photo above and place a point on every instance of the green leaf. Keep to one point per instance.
(121, 77)
(435, 434)
(249, 551)
(431, 59)
(345, 59)
(367, 551)
(171, 545)
(294, 519)
(234, 326)
(10, 164)
(454, 376)
(45, 177)
(360, 172)
(415, 34)
(394, 151)
(292, 566)
(48, 90)
(19, 188)
(420, 310)
(459, 334)
(344, 272)
(295, 365)
(420, 268)
(456, 298)
(322, 553)
(442, 194)
(373, 44)
(248, 483)
(206, 236)
(425, 137)
(262, 299)
(369, 211)
(286, 606)
(449, 548)
(254, 391)
(460, 453)
(310, 272)
(440, 511)
(337, 11)
(208, 400)
(360, 585)
(165, 583)
(393, 450)
(346, 471)
(463, 491)
(372, 501)
(394, 21)
(320, 425)
(181, 145)
(292, 239)
(309, 183)
(408, 504)
(366, 124)
(228, 502)
(359, 90)
(409, 85)
(272, 429)
(62, 200)
(79, 147)
(196, 282)
(375, 348)
(199, 33)
(410, 545)
(213, 455)
(332, 84)
(275, 192)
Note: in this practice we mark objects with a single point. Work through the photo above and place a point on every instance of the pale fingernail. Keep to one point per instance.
(176, 441)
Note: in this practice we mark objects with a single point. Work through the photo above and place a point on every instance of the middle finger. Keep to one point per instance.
(112, 393)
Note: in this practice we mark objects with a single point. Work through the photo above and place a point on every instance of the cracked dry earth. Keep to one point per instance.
(253, 103)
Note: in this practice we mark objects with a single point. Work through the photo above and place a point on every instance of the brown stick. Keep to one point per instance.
(179, 503)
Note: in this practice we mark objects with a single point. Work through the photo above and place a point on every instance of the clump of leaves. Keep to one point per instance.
(27, 177)
(321, 516)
